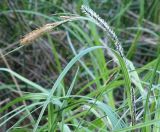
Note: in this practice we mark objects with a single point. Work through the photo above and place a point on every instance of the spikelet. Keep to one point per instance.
(99, 21)
(30, 37)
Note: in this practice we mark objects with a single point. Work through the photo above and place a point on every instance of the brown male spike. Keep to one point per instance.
(30, 37)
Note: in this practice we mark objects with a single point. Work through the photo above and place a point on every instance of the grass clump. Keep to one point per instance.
(81, 74)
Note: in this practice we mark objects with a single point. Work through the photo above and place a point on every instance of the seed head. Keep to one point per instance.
(32, 36)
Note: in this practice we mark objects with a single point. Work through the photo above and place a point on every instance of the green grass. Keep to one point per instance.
(73, 78)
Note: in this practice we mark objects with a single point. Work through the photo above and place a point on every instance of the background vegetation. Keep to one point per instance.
(66, 80)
